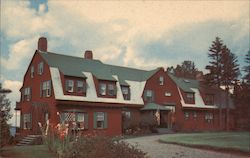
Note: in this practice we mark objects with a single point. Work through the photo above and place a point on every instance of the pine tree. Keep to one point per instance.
(4, 117)
(214, 67)
(246, 68)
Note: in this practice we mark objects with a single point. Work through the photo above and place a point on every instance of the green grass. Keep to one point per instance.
(32, 151)
(220, 140)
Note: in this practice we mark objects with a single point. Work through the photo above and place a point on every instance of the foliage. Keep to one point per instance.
(88, 147)
(4, 117)
(186, 70)
(215, 65)
(246, 68)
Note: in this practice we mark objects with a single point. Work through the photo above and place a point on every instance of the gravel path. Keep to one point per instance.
(155, 149)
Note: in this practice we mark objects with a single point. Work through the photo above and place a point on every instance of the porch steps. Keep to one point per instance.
(28, 140)
(165, 131)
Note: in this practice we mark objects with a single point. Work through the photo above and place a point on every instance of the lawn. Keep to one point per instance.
(220, 140)
(32, 151)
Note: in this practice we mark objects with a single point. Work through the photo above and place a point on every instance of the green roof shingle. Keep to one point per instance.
(75, 66)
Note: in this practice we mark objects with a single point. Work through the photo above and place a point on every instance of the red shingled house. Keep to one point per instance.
(95, 95)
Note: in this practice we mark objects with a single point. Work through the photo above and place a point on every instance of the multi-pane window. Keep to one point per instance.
(126, 114)
(32, 71)
(111, 90)
(100, 120)
(195, 115)
(102, 89)
(149, 95)
(161, 80)
(46, 89)
(76, 120)
(40, 68)
(190, 98)
(209, 117)
(125, 92)
(186, 115)
(209, 99)
(70, 85)
(27, 124)
(80, 87)
(27, 94)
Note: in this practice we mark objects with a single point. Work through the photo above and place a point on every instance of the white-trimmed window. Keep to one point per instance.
(70, 85)
(195, 115)
(46, 89)
(80, 87)
(161, 80)
(126, 114)
(40, 68)
(190, 98)
(125, 92)
(102, 88)
(77, 120)
(209, 117)
(27, 123)
(111, 90)
(27, 94)
(32, 71)
(149, 95)
(186, 115)
(100, 120)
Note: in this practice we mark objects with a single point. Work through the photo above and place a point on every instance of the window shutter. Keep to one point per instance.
(86, 121)
(105, 120)
(41, 89)
(30, 121)
(66, 85)
(50, 88)
(95, 118)
(153, 96)
(30, 93)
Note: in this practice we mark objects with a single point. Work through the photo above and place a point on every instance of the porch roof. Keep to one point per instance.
(154, 106)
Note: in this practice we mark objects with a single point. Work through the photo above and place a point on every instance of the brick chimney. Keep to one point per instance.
(88, 54)
(42, 44)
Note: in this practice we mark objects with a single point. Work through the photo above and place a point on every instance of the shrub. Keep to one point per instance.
(88, 147)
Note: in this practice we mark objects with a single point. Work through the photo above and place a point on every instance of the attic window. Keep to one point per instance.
(161, 80)
(40, 68)
(111, 90)
(32, 71)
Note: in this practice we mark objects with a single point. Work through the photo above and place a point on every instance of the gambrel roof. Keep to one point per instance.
(75, 66)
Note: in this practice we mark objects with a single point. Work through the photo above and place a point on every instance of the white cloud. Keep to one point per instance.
(20, 52)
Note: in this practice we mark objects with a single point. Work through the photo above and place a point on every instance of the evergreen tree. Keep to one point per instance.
(246, 68)
(187, 70)
(4, 117)
(214, 67)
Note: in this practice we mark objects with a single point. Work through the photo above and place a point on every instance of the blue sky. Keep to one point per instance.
(141, 34)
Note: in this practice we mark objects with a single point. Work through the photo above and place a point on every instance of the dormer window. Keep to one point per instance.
(70, 86)
(149, 95)
(190, 98)
(209, 99)
(111, 90)
(80, 87)
(32, 71)
(102, 88)
(125, 92)
(161, 80)
(40, 68)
